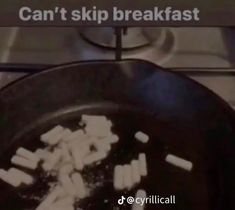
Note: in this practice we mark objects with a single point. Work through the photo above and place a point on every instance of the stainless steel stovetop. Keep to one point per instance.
(204, 54)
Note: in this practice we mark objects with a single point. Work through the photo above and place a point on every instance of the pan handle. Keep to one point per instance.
(119, 31)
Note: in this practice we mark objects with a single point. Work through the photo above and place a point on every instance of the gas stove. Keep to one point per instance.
(204, 54)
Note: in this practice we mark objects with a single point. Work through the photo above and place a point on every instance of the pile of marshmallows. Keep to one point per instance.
(65, 155)
(127, 176)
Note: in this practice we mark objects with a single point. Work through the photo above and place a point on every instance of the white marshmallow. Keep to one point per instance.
(143, 165)
(66, 169)
(128, 182)
(27, 154)
(98, 130)
(67, 184)
(42, 154)
(51, 198)
(59, 137)
(142, 137)
(48, 135)
(66, 157)
(22, 176)
(141, 194)
(135, 171)
(79, 185)
(179, 162)
(78, 163)
(20, 161)
(102, 145)
(94, 157)
(118, 180)
(78, 135)
(52, 160)
(9, 179)
(83, 147)
(64, 202)
(111, 139)
(97, 126)
(94, 118)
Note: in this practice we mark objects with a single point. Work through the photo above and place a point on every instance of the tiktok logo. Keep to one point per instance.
(121, 200)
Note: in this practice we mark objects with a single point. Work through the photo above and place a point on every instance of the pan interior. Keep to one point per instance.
(193, 190)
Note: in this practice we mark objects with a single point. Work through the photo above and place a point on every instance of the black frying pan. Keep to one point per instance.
(181, 117)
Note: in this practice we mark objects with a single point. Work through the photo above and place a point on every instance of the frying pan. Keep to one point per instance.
(181, 117)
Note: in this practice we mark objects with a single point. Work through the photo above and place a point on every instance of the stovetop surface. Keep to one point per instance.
(204, 54)
(176, 47)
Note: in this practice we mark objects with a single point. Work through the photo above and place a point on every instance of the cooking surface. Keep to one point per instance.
(192, 190)
(181, 110)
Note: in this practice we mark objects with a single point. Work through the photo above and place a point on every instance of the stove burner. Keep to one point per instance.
(132, 38)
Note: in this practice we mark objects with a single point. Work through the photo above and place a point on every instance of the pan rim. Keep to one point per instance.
(226, 106)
